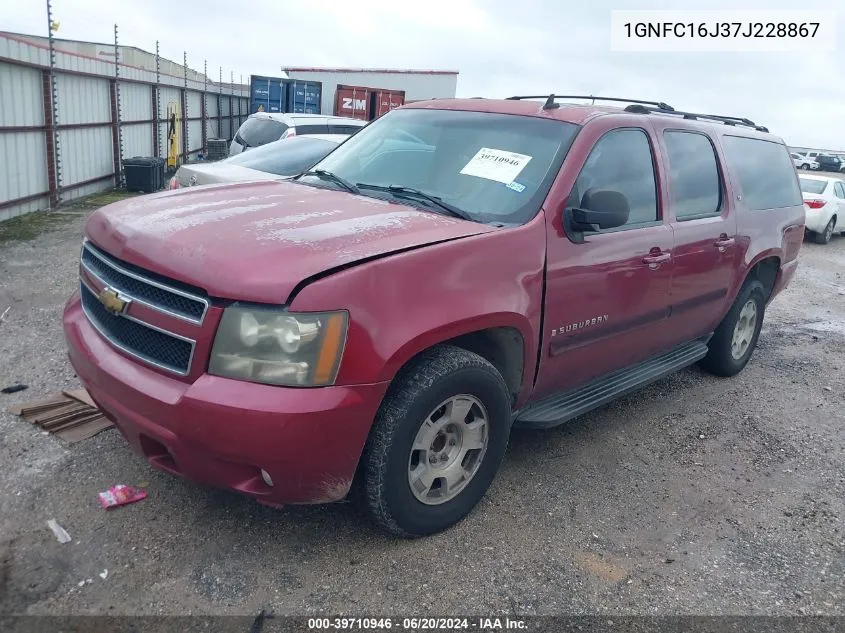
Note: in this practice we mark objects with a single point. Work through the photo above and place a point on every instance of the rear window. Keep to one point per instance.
(343, 129)
(766, 173)
(259, 131)
(288, 157)
(312, 129)
(811, 185)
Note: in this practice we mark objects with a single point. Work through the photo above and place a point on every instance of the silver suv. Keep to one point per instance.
(265, 127)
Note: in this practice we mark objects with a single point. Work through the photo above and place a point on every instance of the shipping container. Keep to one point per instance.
(387, 100)
(268, 94)
(304, 97)
(354, 102)
(365, 103)
(416, 84)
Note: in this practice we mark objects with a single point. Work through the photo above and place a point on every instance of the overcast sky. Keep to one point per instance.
(500, 47)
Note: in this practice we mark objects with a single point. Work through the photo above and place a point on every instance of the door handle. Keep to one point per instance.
(723, 242)
(655, 260)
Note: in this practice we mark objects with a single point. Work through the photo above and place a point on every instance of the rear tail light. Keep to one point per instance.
(174, 183)
(815, 204)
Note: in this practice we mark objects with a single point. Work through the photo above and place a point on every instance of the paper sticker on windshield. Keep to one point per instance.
(496, 164)
(516, 186)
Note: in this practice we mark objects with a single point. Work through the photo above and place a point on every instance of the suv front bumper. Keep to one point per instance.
(222, 432)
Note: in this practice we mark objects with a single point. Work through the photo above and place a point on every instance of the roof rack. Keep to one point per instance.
(551, 105)
(727, 120)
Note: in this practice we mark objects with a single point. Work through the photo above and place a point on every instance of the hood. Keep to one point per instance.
(220, 172)
(255, 241)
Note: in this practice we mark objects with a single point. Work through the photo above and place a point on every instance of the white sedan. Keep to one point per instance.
(824, 199)
(278, 160)
(803, 162)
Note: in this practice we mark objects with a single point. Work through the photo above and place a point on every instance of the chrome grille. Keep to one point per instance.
(144, 287)
(152, 345)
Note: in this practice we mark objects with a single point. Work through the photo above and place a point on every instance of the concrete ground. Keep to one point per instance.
(697, 495)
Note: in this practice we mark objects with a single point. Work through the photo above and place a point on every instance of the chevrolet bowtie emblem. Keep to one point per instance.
(113, 301)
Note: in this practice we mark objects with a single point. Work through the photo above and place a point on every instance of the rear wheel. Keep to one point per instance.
(734, 341)
(437, 442)
(824, 236)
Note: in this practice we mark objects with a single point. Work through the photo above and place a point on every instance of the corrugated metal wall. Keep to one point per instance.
(213, 128)
(136, 104)
(85, 125)
(23, 154)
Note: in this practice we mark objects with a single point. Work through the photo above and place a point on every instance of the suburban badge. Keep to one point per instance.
(566, 329)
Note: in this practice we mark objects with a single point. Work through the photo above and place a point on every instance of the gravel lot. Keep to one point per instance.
(697, 495)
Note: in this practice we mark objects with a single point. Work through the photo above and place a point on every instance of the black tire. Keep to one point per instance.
(805, 166)
(719, 360)
(436, 375)
(823, 236)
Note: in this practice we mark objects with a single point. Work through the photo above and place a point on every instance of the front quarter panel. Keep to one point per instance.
(403, 304)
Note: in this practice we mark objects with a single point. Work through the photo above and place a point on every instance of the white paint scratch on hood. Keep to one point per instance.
(371, 226)
(297, 218)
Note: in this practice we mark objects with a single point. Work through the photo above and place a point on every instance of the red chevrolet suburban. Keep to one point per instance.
(454, 269)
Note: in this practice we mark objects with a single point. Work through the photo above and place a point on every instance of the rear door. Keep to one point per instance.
(607, 298)
(703, 219)
(839, 197)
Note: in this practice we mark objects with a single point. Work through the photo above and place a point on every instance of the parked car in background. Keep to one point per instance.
(457, 268)
(265, 127)
(274, 161)
(829, 163)
(825, 200)
(803, 162)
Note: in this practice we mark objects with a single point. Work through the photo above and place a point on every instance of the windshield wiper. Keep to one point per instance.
(323, 174)
(410, 192)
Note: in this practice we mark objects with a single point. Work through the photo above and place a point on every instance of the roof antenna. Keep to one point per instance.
(550, 103)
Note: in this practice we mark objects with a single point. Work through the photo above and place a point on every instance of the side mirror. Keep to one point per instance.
(603, 209)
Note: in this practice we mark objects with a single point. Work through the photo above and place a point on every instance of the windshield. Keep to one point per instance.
(492, 167)
(809, 185)
(258, 131)
(288, 157)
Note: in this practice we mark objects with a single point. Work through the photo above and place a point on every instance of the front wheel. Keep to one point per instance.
(805, 167)
(437, 442)
(734, 341)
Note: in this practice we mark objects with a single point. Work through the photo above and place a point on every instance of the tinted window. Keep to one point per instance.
(694, 184)
(287, 157)
(312, 129)
(839, 190)
(343, 129)
(765, 172)
(256, 131)
(621, 161)
(811, 185)
(495, 167)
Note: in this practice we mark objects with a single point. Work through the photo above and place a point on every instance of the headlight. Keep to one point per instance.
(271, 346)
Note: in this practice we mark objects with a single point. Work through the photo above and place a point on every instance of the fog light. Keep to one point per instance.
(266, 477)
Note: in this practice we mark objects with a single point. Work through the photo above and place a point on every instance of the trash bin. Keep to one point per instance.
(144, 173)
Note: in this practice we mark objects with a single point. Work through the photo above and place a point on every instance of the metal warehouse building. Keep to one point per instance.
(418, 85)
